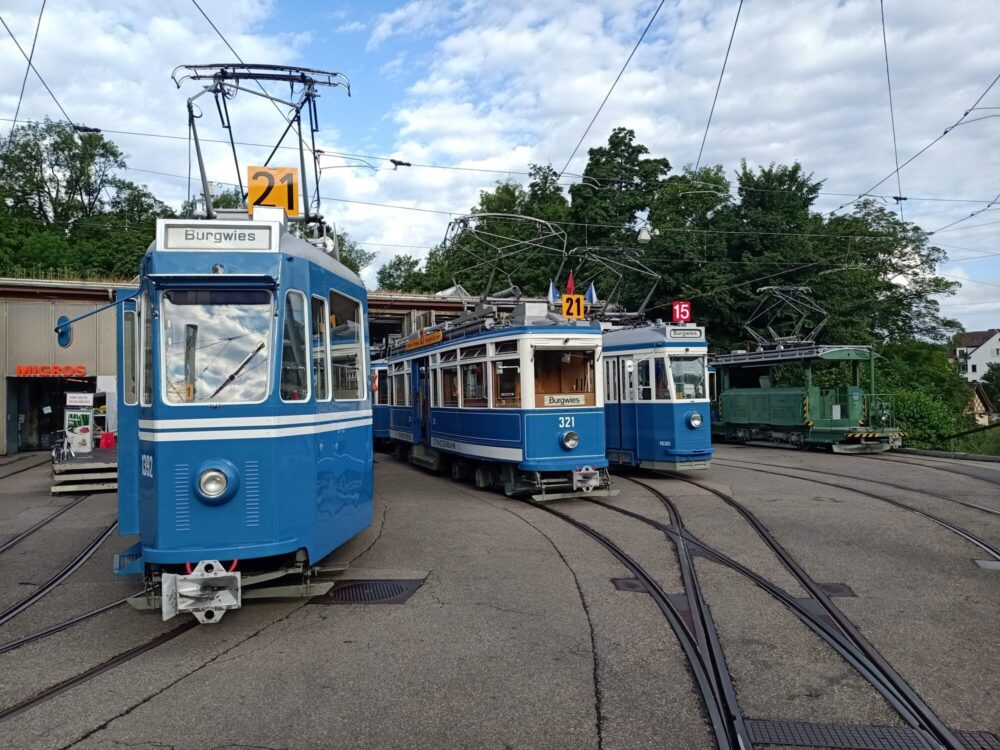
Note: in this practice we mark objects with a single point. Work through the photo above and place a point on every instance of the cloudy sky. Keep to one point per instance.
(491, 86)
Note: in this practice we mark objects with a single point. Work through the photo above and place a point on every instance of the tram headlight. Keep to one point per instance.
(570, 440)
(695, 420)
(212, 482)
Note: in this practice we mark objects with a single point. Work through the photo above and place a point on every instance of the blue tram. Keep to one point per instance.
(656, 400)
(380, 401)
(244, 419)
(514, 402)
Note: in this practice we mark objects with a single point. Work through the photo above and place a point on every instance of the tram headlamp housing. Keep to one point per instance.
(212, 482)
(570, 440)
(694, 420)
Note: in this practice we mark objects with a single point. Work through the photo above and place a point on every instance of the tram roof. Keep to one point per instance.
(655, 335)
(231, 223)
(765, 357)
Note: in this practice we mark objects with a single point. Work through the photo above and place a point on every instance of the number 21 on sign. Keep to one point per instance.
(682, 311)
(273, 186)
(572, 306)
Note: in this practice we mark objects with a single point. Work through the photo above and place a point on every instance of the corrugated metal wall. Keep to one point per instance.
(29, 339)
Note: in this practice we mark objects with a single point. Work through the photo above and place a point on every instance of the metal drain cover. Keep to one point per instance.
(837, 589)
(370, 592)
(853, 736)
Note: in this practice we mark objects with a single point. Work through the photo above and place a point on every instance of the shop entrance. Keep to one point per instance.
(37, 406)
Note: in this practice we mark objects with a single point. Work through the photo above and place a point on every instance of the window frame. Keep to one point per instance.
(361, 346)
(134, 315)
(306, 321)
(146, 350)
(326, 361)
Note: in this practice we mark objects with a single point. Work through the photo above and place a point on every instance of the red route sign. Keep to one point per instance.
(682, 311)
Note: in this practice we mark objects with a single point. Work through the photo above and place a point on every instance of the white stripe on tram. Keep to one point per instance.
(474, 449)
(180, 424)
(274, 432)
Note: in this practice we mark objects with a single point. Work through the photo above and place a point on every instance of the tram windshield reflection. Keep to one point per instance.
(216, 345)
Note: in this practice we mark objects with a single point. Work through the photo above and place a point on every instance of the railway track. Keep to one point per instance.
(69, 569)
(45, 521)
(966, 503)
(930, 465)
(26, 467)
(723, 711)
(843, 636)
(965, 534)
(59, 627)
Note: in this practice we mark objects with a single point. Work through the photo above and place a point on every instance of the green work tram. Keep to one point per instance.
(748, 405)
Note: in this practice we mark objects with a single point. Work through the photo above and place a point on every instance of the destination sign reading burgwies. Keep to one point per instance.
(244, 235)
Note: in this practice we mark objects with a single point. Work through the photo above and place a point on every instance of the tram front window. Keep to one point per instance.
(215, 345)
(564, 378)
(689, 377)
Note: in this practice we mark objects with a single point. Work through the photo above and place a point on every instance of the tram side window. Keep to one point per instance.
(564, 378)
(474, 384)
(400, 393)
(382, 397)
(506, 384)
(320, 349)
(129, 369)
(294, 352)
(435, 397)
(449, 386)
(662, 382)
(689, 377)
(147, 351)
(346, 342)
(645, 387)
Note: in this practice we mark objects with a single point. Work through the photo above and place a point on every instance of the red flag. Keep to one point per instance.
(570, 284)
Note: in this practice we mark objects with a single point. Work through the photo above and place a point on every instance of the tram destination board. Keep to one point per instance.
(215, 235)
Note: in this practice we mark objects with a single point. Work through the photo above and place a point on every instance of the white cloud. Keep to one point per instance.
(415, 17)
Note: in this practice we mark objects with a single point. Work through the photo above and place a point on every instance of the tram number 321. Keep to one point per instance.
(565, 422)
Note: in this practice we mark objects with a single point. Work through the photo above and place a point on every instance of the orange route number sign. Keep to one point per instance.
(572, 306)
(273, 186)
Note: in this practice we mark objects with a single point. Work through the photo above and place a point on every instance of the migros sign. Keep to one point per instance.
(50, 371)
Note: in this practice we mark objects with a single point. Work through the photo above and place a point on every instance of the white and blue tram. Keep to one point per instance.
(515, 402)
(656, 400)
(244, 418)
(380, 401)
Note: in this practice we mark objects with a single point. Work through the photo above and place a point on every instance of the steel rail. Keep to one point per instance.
(929, 719)
(985, 546)
(13, 611)
(831, 634)
(985, 509)
(71, 682)
(59, 627)
(702, 672)
(28, 532)
(22, 469)
(929, 465)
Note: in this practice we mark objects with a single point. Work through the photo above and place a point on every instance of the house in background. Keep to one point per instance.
(974, 351)
(980, 407)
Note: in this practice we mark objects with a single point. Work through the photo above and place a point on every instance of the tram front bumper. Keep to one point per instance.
(206, 592)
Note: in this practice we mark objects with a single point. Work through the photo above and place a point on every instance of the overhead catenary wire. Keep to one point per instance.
(610, 90)
(892, 113)
(718, 86)
(27, 70)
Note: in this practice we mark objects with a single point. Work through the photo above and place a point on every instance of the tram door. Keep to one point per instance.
(420, 377)
(128, 415)
(627, 399)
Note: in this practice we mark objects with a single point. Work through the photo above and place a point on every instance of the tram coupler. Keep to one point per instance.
(587, 479)
(206, 592)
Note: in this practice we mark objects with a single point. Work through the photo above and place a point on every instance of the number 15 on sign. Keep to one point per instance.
(682, 311)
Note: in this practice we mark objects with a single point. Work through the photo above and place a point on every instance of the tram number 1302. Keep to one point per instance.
(565, 422)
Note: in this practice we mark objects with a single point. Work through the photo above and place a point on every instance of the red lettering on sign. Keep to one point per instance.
(50, 371)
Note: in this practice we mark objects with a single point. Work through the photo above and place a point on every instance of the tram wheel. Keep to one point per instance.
(457, 471)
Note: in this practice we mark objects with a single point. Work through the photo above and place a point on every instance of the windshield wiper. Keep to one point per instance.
(237, 371)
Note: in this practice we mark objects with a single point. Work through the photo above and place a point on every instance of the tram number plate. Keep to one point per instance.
(273, 186)
(682, 311)
(572, 306)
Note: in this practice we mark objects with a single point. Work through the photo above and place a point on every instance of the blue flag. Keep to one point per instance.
(553, 294)
(591, 295)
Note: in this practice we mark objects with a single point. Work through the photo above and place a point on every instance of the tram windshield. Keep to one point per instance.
(216, 345)
(564, 377)
(689, 377)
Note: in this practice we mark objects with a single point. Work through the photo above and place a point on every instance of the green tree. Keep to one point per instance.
(991, 383)
(353, 255)
(401, 273)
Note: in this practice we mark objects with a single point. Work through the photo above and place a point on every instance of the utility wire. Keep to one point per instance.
(27, 70)
(892, 113)
(608, 95)
(966, 218)
(31, 66)
(718, 86)
(947, 130)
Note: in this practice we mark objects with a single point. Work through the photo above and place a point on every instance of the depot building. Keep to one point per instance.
(37, 373)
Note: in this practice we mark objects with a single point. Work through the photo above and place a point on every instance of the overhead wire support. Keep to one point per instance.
(615, 83)
(718, 86)
(892, 114)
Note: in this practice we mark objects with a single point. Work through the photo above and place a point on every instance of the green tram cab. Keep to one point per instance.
(747, 406)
